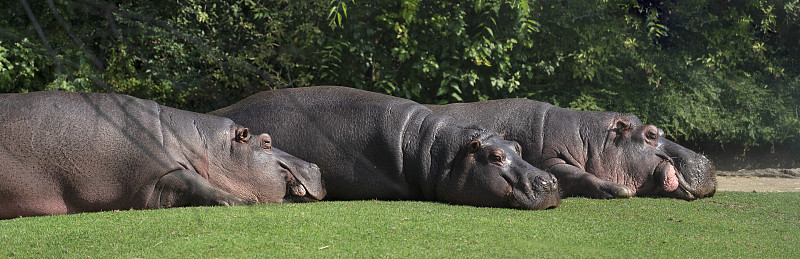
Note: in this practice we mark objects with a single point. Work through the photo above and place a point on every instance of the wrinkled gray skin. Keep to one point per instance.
(375, 146)
(64, 152)
(594, 154)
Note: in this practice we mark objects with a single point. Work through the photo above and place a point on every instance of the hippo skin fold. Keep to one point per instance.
(594, 154)
(375, 146)
(63, 152)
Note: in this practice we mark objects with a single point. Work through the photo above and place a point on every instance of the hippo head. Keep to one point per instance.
(288, 178)
(651, 165)
(489, 171)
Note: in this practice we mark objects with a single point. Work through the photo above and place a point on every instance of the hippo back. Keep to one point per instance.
(328, 127)
(496, 114)
(76, 144)
(375, 146)
(615, 148)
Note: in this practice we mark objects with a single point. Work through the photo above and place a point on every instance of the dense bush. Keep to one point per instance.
(713, 71)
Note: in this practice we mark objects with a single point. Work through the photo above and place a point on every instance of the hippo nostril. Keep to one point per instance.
(539, 184)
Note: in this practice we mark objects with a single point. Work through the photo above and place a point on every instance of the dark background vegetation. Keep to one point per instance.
(712, 74)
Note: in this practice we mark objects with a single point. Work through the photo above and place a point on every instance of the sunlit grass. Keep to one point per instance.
(730, 224)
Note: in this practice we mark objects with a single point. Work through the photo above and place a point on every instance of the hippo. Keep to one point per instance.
(64, 152)
(374, 146)
(594, 154)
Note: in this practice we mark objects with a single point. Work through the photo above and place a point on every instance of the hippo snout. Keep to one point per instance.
(695, 175)
(538, 191)
(305, 184)
(546, 183)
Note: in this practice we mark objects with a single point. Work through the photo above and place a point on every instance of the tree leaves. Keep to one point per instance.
(701, 69)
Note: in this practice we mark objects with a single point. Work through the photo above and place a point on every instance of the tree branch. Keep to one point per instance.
(39, 31)
(92, 57)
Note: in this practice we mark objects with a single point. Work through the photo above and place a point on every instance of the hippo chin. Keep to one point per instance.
(594, 154)
(64, 152)
(375, 146)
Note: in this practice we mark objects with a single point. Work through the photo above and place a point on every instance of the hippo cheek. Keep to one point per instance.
(668, 176)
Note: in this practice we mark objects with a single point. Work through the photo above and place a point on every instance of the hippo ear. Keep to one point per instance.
(474, 145)
(622, 124)
(502, 134)
(242, 134)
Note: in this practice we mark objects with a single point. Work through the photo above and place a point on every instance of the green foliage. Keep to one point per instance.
(700, 69)
(199, 55)
(704, 70)
(730, 224)
(19, 66)
(430, 51)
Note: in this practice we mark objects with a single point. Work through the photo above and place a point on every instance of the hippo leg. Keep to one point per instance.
(187, 188)
(573, 181)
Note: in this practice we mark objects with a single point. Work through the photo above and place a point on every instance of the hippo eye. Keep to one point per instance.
(266, 144)
(497, 156)
(652, 135)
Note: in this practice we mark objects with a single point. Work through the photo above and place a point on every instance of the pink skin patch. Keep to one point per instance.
(670, 179)
(298, 190)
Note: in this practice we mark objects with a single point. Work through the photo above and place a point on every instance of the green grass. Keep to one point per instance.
(731, 224)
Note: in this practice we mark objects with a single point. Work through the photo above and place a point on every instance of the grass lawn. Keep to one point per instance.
(731, 224)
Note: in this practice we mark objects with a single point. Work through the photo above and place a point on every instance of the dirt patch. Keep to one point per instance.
(760, 180)
(766, 172)
(732, 157)
(757, 184)
(765, 168)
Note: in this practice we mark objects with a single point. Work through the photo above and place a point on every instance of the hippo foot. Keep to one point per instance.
(229, 201)
(609, 190)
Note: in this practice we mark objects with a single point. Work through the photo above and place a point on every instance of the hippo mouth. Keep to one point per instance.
(296, 191)
(673, 182)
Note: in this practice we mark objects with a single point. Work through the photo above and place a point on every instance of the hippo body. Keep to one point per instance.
(594, 154)
(63, 152)
(375, 146)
